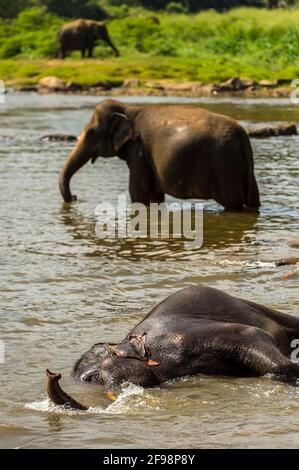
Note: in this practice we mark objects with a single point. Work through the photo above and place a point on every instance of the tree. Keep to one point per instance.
(10, 9)
(76, 8)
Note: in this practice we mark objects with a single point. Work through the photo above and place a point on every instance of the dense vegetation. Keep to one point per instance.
(97, 9)
(207, 46)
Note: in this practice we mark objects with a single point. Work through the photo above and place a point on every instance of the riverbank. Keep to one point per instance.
(158, 76)
(234, 86)
(208, 47)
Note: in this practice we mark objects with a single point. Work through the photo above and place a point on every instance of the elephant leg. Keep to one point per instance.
(137, 190)
(90, 52)
(267, 358)
(229, 204)
(83, 53)
(233, 207)
(141, 180)
(62, 53)
(157, 197)
(232, 200)
(139, 194)
(254, 350)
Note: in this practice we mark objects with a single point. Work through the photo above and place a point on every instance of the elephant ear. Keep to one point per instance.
(138, 342)
(121, 130)
(95, 28)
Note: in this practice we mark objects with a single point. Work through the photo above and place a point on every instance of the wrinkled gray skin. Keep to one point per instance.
(82, 35)
(196, 330)
(186, 152)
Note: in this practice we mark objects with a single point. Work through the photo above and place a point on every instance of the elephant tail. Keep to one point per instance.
(252, 198)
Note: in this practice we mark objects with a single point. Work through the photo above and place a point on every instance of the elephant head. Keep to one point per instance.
(100, 31)
(111, 364)
(109, 129)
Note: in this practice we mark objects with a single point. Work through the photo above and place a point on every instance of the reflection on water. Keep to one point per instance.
(63, 288)
(232, 227)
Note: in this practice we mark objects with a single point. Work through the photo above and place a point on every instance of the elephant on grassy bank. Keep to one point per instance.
(197, 330)
(183, 151)
(82, 35)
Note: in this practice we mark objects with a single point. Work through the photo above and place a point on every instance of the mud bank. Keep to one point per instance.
(237, 87)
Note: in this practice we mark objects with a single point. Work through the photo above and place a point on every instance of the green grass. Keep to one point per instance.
(208, 46)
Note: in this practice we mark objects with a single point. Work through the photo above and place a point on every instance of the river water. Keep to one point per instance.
(63, 289)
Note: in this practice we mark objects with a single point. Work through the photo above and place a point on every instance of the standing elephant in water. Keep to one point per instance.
(186, 152)
(81, 35)
(197, 330)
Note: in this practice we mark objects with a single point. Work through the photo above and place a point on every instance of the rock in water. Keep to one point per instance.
(283, 129)
(59, 138)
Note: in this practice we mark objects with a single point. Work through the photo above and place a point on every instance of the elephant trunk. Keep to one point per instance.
(106, 37)
(74, 162)
(57, 395)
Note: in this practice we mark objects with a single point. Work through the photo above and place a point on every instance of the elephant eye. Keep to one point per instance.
(93, 134)
(90, 377)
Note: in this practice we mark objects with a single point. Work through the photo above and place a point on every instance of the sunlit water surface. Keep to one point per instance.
(63, 289)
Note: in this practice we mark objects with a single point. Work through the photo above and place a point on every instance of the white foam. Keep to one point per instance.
(132, 400)
(249, 263)
(49, 407)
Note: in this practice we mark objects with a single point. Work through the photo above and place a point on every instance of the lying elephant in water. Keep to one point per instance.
(82, 35)
(187, 152)
(197, 330)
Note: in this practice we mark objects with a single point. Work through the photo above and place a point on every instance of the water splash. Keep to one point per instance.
(133, 400)
(49, 407)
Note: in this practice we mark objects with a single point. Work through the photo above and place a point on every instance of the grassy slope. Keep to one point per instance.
(209, 47)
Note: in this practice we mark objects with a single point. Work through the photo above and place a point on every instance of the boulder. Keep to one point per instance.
(59, 138)
(131, 83)
(261, 132)
(28, 88)
(267, 84)
(184, 87)
(104, 85)
(283, 81)
(287, 129)
(247, 83)
(51, 85)
(154, 85)
(282, 129)
(287, 261)
(72, 86)
(236, 84)
(208, 90)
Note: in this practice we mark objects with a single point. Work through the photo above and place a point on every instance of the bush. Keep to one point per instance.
(76, 8)
(174, 7)
(32, 34)
(249, 42)
(11, 8)
(120, 11)
(33, 19)
(11, 48)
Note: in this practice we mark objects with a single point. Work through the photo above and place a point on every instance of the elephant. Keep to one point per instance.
(183, 151)
(81, 35)
(196, 330)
